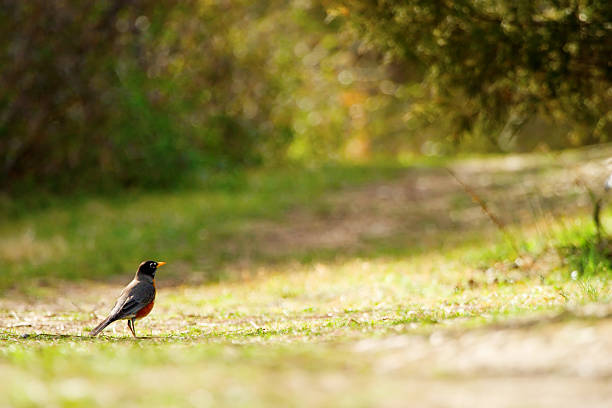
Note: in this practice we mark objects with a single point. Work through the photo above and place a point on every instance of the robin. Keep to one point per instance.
(136, 299)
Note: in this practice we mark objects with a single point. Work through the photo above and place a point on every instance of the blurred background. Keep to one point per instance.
(361, 202)
(98, 96)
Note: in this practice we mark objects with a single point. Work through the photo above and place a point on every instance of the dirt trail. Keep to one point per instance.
(548, 364)
(429, 207)
(562, 345)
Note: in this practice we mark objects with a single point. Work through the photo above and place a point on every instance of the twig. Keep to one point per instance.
(485, 209)
(77, 307)
(597, 202)
(597, 218)
(19, 325)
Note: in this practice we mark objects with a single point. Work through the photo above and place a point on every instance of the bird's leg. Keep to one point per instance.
(130, 324)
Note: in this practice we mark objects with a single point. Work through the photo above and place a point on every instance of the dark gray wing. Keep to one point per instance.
(133, 298)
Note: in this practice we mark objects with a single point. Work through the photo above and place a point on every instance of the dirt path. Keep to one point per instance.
(549, 361)
(548, 364)
(429, 207)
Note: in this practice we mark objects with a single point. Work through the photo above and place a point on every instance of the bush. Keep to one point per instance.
(130, 92)
(492, 66)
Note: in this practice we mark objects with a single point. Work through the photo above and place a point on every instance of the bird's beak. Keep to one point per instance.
(160, 264)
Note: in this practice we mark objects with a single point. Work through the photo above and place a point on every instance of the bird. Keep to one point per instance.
(136, 299)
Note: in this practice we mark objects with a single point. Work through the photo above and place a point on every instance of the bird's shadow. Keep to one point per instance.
(78, 337)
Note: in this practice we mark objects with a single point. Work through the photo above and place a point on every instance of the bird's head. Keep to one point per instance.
(149, 268)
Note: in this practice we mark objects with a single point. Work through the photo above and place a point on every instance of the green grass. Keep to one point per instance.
(94, 238)
(430, 309)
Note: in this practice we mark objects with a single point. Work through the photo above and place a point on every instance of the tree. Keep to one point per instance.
(504, 60)
(134, 92)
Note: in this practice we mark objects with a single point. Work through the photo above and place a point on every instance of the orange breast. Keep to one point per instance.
(144, 311)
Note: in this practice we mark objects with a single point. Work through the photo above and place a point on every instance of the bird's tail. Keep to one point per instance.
(102, 326)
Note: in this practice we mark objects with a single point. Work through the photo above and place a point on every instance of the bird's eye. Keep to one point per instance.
(154, 264)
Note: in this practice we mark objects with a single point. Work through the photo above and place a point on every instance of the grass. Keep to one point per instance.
(95, 238)
(356, 286)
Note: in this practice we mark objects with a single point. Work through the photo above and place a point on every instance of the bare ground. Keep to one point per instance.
(554, 360)
(561, 359)
(430, 208)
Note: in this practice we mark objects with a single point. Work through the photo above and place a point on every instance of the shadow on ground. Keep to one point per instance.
(231, 229)
(425, 209)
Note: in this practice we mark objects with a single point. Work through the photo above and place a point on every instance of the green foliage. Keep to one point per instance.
(498, 65)
(62, 88)
(142, 92)
(132, 92)
(62, 238)
(589, 257)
